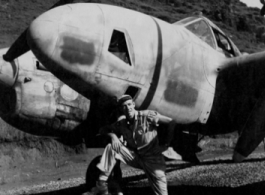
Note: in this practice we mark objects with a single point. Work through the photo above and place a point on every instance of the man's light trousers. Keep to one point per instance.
(151, 162)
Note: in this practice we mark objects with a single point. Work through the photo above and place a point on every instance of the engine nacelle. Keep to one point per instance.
(38, 98)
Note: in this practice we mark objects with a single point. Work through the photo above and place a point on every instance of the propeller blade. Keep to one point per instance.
(253, 132)
(20, 46)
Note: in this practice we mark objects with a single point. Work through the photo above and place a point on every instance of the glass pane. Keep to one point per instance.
(224, 42)
(202, 30)
(118, 46)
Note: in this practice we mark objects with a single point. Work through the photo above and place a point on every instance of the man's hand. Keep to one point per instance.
(115, 143)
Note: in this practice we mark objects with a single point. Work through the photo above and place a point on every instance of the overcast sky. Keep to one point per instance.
(252, 3)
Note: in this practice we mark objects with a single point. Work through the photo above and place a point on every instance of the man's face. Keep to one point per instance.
(128, 108)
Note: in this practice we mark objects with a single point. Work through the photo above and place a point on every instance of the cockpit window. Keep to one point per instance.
(211, 34)
(224, 44)
(118, 46)
(202, 30)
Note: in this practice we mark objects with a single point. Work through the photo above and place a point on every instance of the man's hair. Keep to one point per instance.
(123, 99)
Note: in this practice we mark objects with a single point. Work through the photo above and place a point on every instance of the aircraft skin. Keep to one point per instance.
(32, 97)
(172, 68)
(174, 76)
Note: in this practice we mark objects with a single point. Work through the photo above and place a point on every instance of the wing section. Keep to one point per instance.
(244, 80)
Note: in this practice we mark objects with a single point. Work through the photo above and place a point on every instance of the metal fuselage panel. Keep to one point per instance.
(174, 70)
(37, 97)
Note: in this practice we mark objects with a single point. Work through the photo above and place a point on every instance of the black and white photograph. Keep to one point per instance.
(132, 97)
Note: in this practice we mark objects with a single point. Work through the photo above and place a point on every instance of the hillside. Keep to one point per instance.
(244, 25)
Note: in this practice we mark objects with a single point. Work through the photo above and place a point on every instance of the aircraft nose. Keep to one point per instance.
(68, 41)
(44, 30)
(42, 34)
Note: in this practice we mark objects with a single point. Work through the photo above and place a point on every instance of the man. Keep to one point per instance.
(141, 150)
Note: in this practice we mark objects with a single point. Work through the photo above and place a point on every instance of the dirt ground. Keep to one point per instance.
(71, 167)
(46, 170)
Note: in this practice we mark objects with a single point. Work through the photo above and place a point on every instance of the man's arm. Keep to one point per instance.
(109, 131)
(115, 142)
(164, 119)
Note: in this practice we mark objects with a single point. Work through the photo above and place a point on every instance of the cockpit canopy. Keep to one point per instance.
(210, 34)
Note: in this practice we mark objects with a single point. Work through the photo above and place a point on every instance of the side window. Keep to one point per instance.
(132, 91)
(203, 31)
(118, 46)
(224, 44)
(38, 65)
(234, 48)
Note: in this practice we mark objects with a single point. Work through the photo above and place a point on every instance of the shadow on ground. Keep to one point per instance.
(253, 189)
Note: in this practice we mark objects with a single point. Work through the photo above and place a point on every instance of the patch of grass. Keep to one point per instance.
(14, 20)
(181, 11)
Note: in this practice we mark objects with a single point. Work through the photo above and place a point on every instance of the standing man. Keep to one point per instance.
(141, 148)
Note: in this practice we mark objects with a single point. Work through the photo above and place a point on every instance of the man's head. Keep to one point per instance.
(127, 106)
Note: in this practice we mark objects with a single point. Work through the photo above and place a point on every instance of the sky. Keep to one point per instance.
(252, 3)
